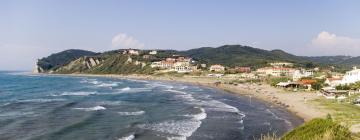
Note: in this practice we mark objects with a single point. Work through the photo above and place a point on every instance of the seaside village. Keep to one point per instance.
(323, 81)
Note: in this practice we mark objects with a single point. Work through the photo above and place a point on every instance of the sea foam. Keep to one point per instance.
(130, 137)
(131, 113)
(95, 108)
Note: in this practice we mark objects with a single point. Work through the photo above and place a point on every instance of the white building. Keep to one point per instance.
(275, 71)
(131, 52)
(282, 64)
(298, 74)
(351, 76)
(217, 68)
(153, 52)
(182, 67)
(333, 82)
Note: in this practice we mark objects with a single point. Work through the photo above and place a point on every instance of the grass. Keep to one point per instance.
(319, 129)
(343, 112)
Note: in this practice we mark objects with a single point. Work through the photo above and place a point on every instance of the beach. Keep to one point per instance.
(298, 103)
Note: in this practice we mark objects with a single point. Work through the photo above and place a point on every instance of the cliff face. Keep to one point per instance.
(80, 65)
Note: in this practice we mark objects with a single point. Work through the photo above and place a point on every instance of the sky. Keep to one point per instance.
(33, 29)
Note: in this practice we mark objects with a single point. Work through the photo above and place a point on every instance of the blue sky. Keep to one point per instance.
(35, 28)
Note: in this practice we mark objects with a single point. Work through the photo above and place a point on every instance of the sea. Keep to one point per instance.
(52, 107)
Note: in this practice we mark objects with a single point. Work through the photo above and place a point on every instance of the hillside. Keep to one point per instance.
(78, 61)
(237, 55)
(57, 60)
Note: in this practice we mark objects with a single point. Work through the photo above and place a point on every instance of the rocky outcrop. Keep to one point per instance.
(80, 65)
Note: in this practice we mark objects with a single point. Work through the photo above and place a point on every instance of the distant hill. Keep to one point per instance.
(57, 60)
(237, 55)
(78, 61)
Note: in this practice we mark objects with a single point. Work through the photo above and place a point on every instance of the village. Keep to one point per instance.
(284, 75)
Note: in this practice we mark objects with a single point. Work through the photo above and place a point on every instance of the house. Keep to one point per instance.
(275, 71)
(243, 69)
(153, 52)
(203, 65)
(333, 82)
(146, 56)
(298, 74)
(131, 52)
(282, 64)
(217, 68)
(162, 64)
(307, 83)
(182, 67)
(351, 76)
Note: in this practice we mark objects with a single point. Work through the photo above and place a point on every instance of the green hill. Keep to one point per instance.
(57, 60)
(227, 55)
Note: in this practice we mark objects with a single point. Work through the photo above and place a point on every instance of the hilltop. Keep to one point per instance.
(82, 61)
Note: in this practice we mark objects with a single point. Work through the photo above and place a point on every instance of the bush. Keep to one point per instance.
(319, 129)
(275, 80)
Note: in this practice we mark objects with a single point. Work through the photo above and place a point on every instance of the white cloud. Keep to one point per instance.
(125, 41)
(331, 44)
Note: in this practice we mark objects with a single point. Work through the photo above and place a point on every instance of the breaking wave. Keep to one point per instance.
(131, 113)
(95, 108)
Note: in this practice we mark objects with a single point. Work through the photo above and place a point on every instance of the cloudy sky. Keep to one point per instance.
(33, 29)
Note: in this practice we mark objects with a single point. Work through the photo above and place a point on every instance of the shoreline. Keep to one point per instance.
(294, 102)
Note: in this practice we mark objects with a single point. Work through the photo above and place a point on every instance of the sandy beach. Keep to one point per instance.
(295, 102)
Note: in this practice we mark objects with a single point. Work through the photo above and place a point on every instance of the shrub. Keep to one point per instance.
(319, 129)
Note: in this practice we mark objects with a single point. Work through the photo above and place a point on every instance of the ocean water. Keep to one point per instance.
(40, 107)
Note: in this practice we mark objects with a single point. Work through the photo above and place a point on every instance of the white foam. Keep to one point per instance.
(279, 118)
(183, 128)
(176, 91)
(132, 113)
(200, 116)
(107, 85)
(16, 113)
(42, 100)
(79, 93)
(133, 90)
(130, 137)
(125, 89)
(95, 108)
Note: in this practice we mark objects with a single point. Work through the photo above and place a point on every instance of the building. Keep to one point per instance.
(282, 64)
(153, 52)
(333, 82)
(163, 64)
(182, 67)
(275, 71)
(351, 76)
(243, 69)
(217, 68)
(203, 65)
(298, 74)
(131, 52)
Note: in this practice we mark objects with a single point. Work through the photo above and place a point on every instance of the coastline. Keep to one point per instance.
(297, 103)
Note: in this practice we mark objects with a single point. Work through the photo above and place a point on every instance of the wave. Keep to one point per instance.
(16, 114)
(180, 128)
(200, 116)
(125, 89)
(279, 118)
(176, 91)
(79, 93)
(133, 90)
(131, 113)
(130, 137)
(184, 128)
(41, 100)
(95, 108)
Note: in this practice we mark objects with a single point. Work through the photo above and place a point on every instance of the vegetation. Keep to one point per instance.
(57, 60)
(275, 80)
(319, 129)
